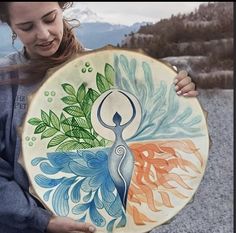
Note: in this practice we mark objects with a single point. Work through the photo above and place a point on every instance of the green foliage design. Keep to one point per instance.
(73, 129)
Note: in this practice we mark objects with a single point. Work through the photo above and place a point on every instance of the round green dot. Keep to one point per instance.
(46, 93)
(31, 143)
(90, 69)
(53, 93)
(83, 70)
(33, 138)
(27, 138)
(50, 99)
(87, 64)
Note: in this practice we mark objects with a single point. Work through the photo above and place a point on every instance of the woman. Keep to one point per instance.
(48, 42)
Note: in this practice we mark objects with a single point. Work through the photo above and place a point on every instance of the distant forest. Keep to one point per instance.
(206, 32)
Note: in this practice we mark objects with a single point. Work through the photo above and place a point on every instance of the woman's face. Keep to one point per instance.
(39, 25)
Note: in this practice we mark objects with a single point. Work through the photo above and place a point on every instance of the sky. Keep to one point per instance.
(128, 13)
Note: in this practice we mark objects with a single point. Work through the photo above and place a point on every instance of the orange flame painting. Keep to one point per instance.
(154, 165)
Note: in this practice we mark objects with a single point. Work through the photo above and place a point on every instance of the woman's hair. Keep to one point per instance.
(37, 68)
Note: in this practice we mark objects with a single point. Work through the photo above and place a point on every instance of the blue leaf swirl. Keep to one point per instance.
(88, 178)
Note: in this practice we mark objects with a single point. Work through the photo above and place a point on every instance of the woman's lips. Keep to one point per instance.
(46, 45)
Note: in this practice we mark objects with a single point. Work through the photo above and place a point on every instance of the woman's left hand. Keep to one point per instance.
(184, 85)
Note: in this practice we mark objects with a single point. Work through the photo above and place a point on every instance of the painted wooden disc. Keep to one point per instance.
(107, 140)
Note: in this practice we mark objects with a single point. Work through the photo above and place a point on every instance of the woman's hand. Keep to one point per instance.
(184, 85)
(67, 225)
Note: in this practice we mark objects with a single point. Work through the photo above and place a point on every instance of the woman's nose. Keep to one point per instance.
(42, 32)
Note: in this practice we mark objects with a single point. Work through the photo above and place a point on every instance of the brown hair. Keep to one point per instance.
(37, 68)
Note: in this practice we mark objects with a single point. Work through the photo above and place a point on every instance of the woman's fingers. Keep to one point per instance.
(181, 75)
(191, 94)
(184, 85)
(85, 227)
(59, 224)
(186, 88)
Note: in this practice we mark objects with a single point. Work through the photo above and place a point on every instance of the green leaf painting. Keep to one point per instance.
(72, 129)
(68, 89)
(109, 74)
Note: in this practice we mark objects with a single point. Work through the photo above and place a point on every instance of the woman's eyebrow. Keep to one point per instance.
(18, 24)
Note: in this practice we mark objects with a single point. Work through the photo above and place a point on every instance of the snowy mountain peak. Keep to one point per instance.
(83, 15)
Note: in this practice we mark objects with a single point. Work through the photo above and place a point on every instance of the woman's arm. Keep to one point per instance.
(18, 209)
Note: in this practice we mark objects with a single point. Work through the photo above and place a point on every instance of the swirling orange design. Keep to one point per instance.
(154, 162)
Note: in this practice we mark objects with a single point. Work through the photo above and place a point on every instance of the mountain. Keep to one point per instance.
(83, 15)
(96, 35)
(94, 32)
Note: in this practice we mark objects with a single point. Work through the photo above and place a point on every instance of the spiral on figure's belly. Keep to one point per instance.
(120, 150)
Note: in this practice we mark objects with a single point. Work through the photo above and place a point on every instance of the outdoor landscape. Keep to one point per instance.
(200, 42)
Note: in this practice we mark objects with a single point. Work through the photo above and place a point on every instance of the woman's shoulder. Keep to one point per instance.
(6, 66)
(12, 59)
(5, 61)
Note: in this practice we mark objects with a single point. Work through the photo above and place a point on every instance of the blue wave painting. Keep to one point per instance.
(90, 179)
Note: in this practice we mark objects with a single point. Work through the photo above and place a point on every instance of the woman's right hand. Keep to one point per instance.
(59, 224)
